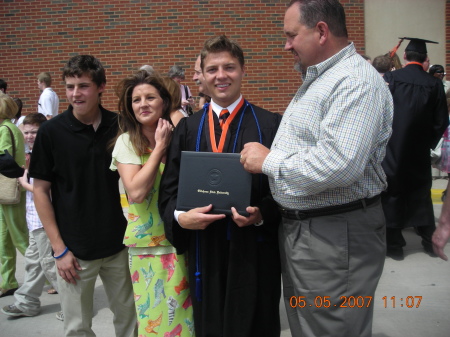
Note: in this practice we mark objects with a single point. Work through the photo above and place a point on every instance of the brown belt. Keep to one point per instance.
(331, 210)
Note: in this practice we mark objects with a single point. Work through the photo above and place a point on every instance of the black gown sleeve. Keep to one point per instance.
(168, 190)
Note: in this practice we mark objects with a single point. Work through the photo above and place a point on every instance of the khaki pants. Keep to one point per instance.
(77, 300)
(331, 268)
(39, 265)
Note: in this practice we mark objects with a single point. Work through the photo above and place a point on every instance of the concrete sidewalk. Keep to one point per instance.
(418, 275)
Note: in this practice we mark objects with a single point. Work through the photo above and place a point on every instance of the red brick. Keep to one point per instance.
(256, 24)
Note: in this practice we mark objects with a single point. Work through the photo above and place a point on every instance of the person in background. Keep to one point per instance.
(325, 173)
(174, 90)
(39, 263)
(396, 63)
(159, 275)
(420, 119)
(3, 85)
(17, 118)
(444, 161)
(78, 201)
(438, 71)
(48, 101)
(382, 64)
(442, 233)
(187, 101)
(148, 68)
(199, 79)
(13, 224)
(395, 60)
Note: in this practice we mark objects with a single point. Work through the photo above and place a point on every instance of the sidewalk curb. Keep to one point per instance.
(436, 195)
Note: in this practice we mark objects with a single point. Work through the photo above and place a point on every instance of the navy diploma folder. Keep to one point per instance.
(213, 178)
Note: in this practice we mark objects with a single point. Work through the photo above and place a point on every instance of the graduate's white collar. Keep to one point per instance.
(217, 108)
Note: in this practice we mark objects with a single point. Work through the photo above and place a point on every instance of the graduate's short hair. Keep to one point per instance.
(220, 44)
(413, 56)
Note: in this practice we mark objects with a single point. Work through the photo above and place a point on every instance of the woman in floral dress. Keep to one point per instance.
(159, 275)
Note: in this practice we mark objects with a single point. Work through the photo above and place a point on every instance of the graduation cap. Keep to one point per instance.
(417, 45)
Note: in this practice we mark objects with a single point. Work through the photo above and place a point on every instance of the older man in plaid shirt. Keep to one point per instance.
(325, 173)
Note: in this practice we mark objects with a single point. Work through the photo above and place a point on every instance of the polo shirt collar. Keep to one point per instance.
(107, 119)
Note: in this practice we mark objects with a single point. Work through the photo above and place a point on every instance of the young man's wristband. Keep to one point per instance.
(62, 254)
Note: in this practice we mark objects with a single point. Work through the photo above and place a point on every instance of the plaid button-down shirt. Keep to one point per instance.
(333, 135)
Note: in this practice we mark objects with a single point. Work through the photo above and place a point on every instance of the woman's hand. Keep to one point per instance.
(163, 133)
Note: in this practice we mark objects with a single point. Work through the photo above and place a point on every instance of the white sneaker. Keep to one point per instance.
(60, 315)
(12, 310)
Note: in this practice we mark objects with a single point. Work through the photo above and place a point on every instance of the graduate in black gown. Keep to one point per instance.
(234, 267)
(420, 119)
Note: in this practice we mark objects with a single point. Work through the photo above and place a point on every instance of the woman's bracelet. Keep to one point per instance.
(62, 254)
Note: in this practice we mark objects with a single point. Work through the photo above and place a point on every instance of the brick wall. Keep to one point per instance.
(125, 34)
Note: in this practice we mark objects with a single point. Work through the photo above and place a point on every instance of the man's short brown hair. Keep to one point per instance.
(220, 44)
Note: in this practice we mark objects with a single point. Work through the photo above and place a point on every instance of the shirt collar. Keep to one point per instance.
(316, 70)
(107, 119)
(217, 108)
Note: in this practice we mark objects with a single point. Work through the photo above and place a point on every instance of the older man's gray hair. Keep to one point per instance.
(176, 71)
(149, 69)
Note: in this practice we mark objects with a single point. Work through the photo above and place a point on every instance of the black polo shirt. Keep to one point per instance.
(85, 192)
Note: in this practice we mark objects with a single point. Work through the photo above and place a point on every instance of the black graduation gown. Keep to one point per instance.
(240, 267)
(420, 119)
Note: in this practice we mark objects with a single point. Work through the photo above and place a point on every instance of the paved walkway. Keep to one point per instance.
(418, 275)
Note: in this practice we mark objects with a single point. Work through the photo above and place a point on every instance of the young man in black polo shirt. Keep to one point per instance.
(78, 201)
